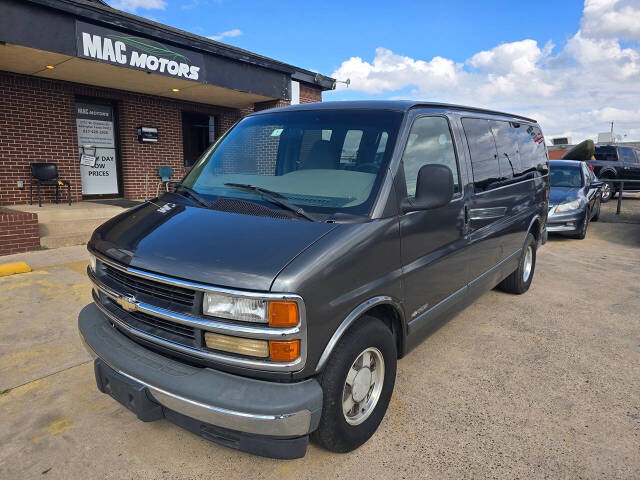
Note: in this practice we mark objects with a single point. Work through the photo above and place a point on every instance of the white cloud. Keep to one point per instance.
(611, 18)
(389, 71)
(576, 91)
(517, 57)
(236, 32)
(133, 5)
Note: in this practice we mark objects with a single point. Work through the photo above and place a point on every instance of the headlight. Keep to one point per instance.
(277, 313)
(235, 308)
(92, 263)
(566, 207)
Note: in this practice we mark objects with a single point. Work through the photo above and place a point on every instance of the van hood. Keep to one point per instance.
(218, 248)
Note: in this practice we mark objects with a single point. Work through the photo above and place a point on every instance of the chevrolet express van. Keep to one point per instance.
(268, 298)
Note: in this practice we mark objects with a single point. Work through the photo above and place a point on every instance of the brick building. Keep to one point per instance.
(78, 76)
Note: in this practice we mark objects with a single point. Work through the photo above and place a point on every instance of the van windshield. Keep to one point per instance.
(325, 161)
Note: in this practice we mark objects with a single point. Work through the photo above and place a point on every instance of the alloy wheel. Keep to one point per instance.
(362, 386)
(528, 264)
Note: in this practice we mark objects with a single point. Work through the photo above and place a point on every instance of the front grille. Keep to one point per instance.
(152, 325)
(137, 285)
(189, 333)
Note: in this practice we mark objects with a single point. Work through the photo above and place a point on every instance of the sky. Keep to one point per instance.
(572, 65)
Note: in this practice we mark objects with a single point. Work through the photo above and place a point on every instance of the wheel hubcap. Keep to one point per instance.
(606, 190)
(528, 263)
(363, 386)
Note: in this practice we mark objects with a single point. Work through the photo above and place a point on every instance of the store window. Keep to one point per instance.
(198, 132)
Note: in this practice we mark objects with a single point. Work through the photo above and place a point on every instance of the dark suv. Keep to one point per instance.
(269, 297)
(615, 162)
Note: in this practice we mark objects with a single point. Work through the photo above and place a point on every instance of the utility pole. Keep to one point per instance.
(613, 140)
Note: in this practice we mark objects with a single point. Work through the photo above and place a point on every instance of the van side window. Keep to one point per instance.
(532, 148)
(506, 138)
(482, 148)
(429, 142)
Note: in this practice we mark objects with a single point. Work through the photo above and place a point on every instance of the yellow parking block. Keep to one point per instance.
(14, 267)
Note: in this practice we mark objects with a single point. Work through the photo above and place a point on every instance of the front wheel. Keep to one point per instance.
(584, 225)
(357, 383)
(596, 216)
(520, 280)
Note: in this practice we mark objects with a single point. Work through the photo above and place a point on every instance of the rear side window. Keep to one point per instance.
(533, 153)
(429, 142)
(484, 156)
(506, 138)
(627, 154)
(606, 154)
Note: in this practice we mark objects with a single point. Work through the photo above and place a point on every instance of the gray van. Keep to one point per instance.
(268, 297)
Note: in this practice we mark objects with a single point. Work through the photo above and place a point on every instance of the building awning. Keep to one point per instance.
(91, 43)
(31, 61)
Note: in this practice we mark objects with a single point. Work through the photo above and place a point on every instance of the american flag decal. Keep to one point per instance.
(536, 134)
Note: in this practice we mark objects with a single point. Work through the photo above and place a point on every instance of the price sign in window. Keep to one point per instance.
(98, 165)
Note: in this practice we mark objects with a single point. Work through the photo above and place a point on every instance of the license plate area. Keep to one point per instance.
(132, 395)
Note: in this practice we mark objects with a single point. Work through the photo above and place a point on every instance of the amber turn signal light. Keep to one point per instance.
(284, 351)
(283, 314)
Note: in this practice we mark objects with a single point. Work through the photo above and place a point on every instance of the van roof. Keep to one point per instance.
(393, 105)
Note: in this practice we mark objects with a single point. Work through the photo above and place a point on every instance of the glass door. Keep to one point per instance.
(98, 153)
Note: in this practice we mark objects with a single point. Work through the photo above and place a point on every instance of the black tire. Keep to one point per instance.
(596, 216)
(334, 432)
(516, 282)
(608, 191)
(584, 225)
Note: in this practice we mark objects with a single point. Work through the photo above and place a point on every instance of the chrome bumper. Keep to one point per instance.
(236, 403)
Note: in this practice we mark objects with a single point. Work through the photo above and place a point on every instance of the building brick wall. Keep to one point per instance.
(38, 123)
(18, 232)
(309, 94)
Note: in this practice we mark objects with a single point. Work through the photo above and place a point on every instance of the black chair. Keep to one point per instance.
(46, 174)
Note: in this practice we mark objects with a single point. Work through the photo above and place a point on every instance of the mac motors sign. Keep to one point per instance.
(116, 48)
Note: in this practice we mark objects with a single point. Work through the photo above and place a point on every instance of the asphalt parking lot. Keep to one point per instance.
(543, 385)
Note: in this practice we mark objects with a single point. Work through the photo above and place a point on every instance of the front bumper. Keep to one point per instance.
(241, 405)
(565, 222)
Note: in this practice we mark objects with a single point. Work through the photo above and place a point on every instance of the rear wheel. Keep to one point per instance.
(357, 383)
(608, 191)
(520, 280)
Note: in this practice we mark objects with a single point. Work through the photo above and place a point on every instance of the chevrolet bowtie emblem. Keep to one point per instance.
(128, 303)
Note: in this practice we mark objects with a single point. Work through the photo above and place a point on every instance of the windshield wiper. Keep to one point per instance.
(273, 197)
(191, 193)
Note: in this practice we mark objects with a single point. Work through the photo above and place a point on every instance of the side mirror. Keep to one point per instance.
(596, 184)
(434, 188)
